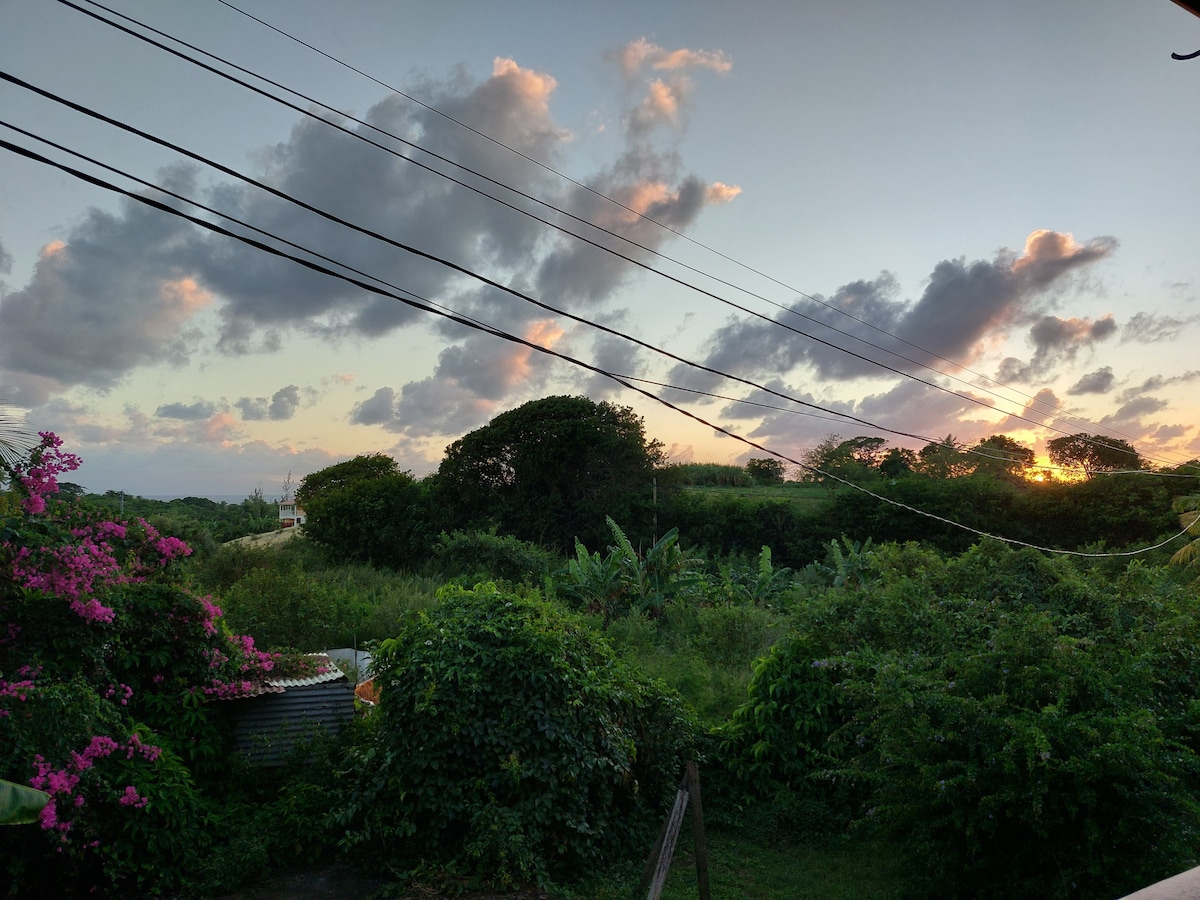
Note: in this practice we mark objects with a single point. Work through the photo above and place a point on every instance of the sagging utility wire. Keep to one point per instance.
(418, 302)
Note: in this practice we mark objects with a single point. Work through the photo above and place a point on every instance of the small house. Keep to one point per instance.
(290, 514)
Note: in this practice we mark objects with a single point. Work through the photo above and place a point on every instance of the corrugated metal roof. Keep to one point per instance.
(333, 674)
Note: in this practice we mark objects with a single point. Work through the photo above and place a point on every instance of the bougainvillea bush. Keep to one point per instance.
(107, 667)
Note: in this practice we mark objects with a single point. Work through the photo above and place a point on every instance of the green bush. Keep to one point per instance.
(512, 746)
(487, 556)
(1021, 726)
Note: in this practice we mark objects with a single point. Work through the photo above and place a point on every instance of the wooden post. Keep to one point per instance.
(661, 865)
(654, 875)
(701, 845)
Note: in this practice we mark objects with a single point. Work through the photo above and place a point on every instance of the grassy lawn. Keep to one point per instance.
(791, 492)
(739, 868)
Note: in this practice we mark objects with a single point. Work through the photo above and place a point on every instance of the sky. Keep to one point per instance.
(934, 217)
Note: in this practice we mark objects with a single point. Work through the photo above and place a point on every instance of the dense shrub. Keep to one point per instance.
(512, 745)
(487, 556)
(1021, 726)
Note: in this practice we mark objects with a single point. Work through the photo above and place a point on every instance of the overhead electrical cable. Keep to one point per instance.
(840, 417)
(1055, 408)
(580, 219)
(454, 267)
(87, 111)
(415, 301)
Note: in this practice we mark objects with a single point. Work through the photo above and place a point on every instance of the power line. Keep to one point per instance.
(417, 302)
(84, 110)
(1055, 408)
(590, 224)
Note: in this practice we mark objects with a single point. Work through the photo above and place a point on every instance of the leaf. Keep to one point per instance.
(20, 805)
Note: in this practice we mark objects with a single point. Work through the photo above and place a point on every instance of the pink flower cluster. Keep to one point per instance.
(60, 784)
(46, 463)
(81, 569)
(123, 689)
(18, 690)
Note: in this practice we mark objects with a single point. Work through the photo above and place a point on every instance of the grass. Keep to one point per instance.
(740, 868)
(789, 491)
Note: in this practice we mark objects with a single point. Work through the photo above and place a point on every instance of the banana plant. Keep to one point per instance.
(20, 805)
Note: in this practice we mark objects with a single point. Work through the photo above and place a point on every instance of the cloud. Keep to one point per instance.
(963, 308)
(640, 53)
(116, 294)
(1147, 328)
(188, 412)
(908, 407)
(1040, 409)
(1130, 414)
(1158, 382)
(124, 289)
(280, 407)
(1098, 382)
(284, 403)
(1055, 340)
(378, 410)
(6, 260)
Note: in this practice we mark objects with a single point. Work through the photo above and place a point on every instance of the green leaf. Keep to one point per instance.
(20, 805)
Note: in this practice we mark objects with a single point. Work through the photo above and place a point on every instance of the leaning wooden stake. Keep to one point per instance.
(655, 873)
(701, 845)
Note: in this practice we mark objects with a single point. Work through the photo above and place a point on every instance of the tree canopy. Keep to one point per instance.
(551, 470)
(1093, 453)
(366, 467)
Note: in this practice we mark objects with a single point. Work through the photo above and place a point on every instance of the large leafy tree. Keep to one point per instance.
(384, 521)
(1093, 453)
(855, 460)
(1001, 457)
(550, 471)
(366, 467)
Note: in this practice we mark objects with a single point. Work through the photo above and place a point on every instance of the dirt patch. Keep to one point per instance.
(267, 539)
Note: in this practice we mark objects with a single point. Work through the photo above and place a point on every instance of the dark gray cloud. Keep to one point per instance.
(1055, 340)
(1130, 414)
(118, 293)
(280, 407)
(962, 304)
(1156, 383)
(1147, 328)
(1098, 382)
(253, 409)
(121, 290)
(189, 412)
(284, 403)
(377, 410)
(5, 260)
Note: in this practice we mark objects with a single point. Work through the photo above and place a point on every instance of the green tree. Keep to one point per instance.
(1093, 453)
(1001, 457)
(366, 467)
(382, 520)
(511, 745)
(855, 460)
(944, 459)
(898, 461)
(550, 471)
(766, 471)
